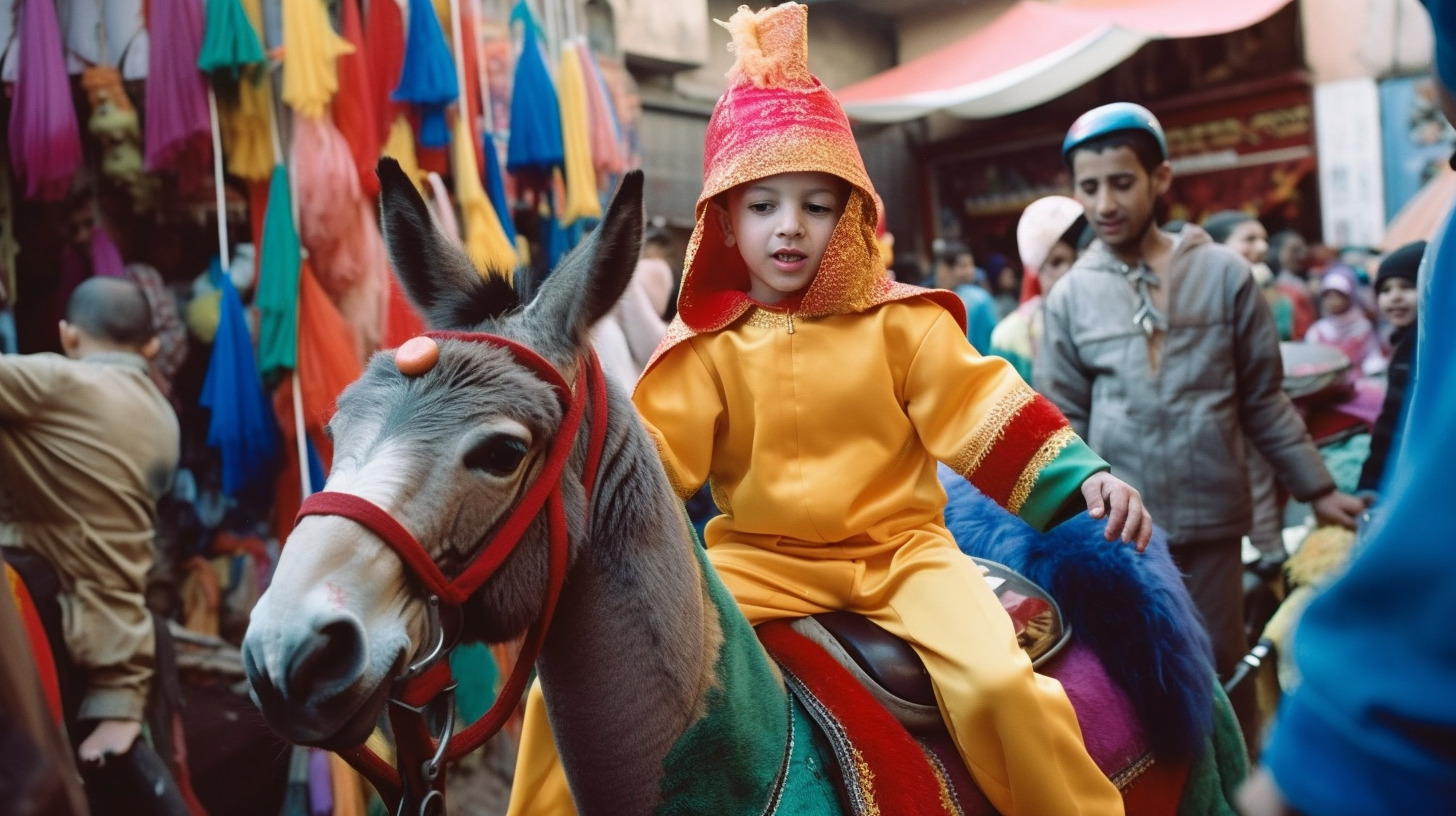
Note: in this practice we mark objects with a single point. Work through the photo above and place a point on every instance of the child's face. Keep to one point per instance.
(1250, 240)
(1058, 262)
(1334, 302)
(1397, 301)
(1118, 194)
(781, 226)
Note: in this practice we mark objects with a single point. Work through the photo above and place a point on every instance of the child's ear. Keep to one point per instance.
(70, 338)
(724, 222)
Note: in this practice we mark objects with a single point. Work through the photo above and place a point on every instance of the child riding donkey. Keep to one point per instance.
(815, 396)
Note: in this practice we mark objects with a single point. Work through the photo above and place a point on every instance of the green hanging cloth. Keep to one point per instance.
(278, 271)
(229, 41)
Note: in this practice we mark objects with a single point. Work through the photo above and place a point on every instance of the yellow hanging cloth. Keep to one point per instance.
(485, 240)
(310, 76)
(348, 788)
(400, 146)
(442, 10)
(581, 185)
(245, 123)
(247, 117)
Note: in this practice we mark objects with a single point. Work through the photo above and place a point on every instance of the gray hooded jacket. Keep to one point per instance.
(1177, 433)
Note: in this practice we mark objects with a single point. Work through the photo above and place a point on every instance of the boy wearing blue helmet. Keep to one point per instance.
(1163, 355)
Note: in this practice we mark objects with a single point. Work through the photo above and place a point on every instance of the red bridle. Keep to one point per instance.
(419, 754)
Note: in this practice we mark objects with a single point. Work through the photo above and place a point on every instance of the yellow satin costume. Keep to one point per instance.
(818, 424)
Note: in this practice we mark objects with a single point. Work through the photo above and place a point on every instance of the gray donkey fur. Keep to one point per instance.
(631, 647)
(626, 648)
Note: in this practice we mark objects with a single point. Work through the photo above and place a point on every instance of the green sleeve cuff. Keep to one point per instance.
(1060, 481)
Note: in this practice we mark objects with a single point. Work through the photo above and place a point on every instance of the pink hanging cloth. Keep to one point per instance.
(606, 140)
(45, 144)
(178, 131)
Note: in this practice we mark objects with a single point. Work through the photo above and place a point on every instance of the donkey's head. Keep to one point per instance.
(448, 454)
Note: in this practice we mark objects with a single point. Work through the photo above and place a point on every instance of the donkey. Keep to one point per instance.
(647, 666)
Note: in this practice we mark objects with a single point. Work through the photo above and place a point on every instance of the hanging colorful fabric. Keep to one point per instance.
(336, 224)
(245, 108)
(310, 48)
(608, 157)
(328, 191)
(400, 146)
(486, 243)
(277, 298)
(240, 421)
(535, 145)
(437, 198)
(327, 361)
(356, 118)
(117, 129)
(469, 59)
(229, 41)
(428, 77)
(232, 54)
(384, 42)
(401, 321)
(105, 256)
(581, 186)
(178, 131)
(495, 187)
(45, 144)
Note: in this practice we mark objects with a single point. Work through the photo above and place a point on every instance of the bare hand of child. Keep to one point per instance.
(1122, 505)
(1339, 508)
(111, 738)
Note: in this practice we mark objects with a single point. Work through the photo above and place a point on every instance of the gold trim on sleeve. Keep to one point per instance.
(1045, 456)
(991, 428)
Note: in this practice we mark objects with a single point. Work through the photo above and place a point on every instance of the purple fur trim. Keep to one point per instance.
(1131, 610)
(1110, 725)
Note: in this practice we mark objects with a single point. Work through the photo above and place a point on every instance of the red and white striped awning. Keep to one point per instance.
(1037, 51)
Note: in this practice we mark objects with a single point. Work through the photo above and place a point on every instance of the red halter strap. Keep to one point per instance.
(416, 746)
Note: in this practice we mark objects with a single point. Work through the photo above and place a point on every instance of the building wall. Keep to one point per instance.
(669, 31)
(1372, 39)
(921, 32)
(845, 46)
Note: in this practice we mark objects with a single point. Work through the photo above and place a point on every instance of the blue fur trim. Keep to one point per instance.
(1131, 610)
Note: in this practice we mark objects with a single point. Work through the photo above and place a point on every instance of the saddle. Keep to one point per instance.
(820, 654)
(892, 672)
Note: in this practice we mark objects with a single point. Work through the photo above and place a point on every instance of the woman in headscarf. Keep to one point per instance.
(1047, 238)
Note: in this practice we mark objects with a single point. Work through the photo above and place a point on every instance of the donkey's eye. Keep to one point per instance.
(498, 455)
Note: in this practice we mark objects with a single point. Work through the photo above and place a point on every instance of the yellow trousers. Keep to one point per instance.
(1014, 728)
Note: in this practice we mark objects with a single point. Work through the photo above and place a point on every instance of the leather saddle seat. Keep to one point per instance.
(891, 670)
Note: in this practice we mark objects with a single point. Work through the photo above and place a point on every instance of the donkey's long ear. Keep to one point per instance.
(437, 275)
(588, 281)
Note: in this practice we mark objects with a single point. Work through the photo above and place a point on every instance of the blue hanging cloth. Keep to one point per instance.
(495, 188)
(316, 474)
(427, 79)
(240, 424)
(535, 145)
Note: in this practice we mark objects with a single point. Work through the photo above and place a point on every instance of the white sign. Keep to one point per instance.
(1351, 175)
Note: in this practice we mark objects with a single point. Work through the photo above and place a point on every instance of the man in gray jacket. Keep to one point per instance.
(1163, 355)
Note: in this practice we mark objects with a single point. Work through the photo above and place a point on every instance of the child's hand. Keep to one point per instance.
(111, 738)
(1110, 496)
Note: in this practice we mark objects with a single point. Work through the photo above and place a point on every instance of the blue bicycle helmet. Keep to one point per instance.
(1109, 119)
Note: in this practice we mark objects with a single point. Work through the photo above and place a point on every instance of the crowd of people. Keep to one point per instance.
(1133, 370)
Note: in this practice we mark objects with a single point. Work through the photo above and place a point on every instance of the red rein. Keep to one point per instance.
(544, 491)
